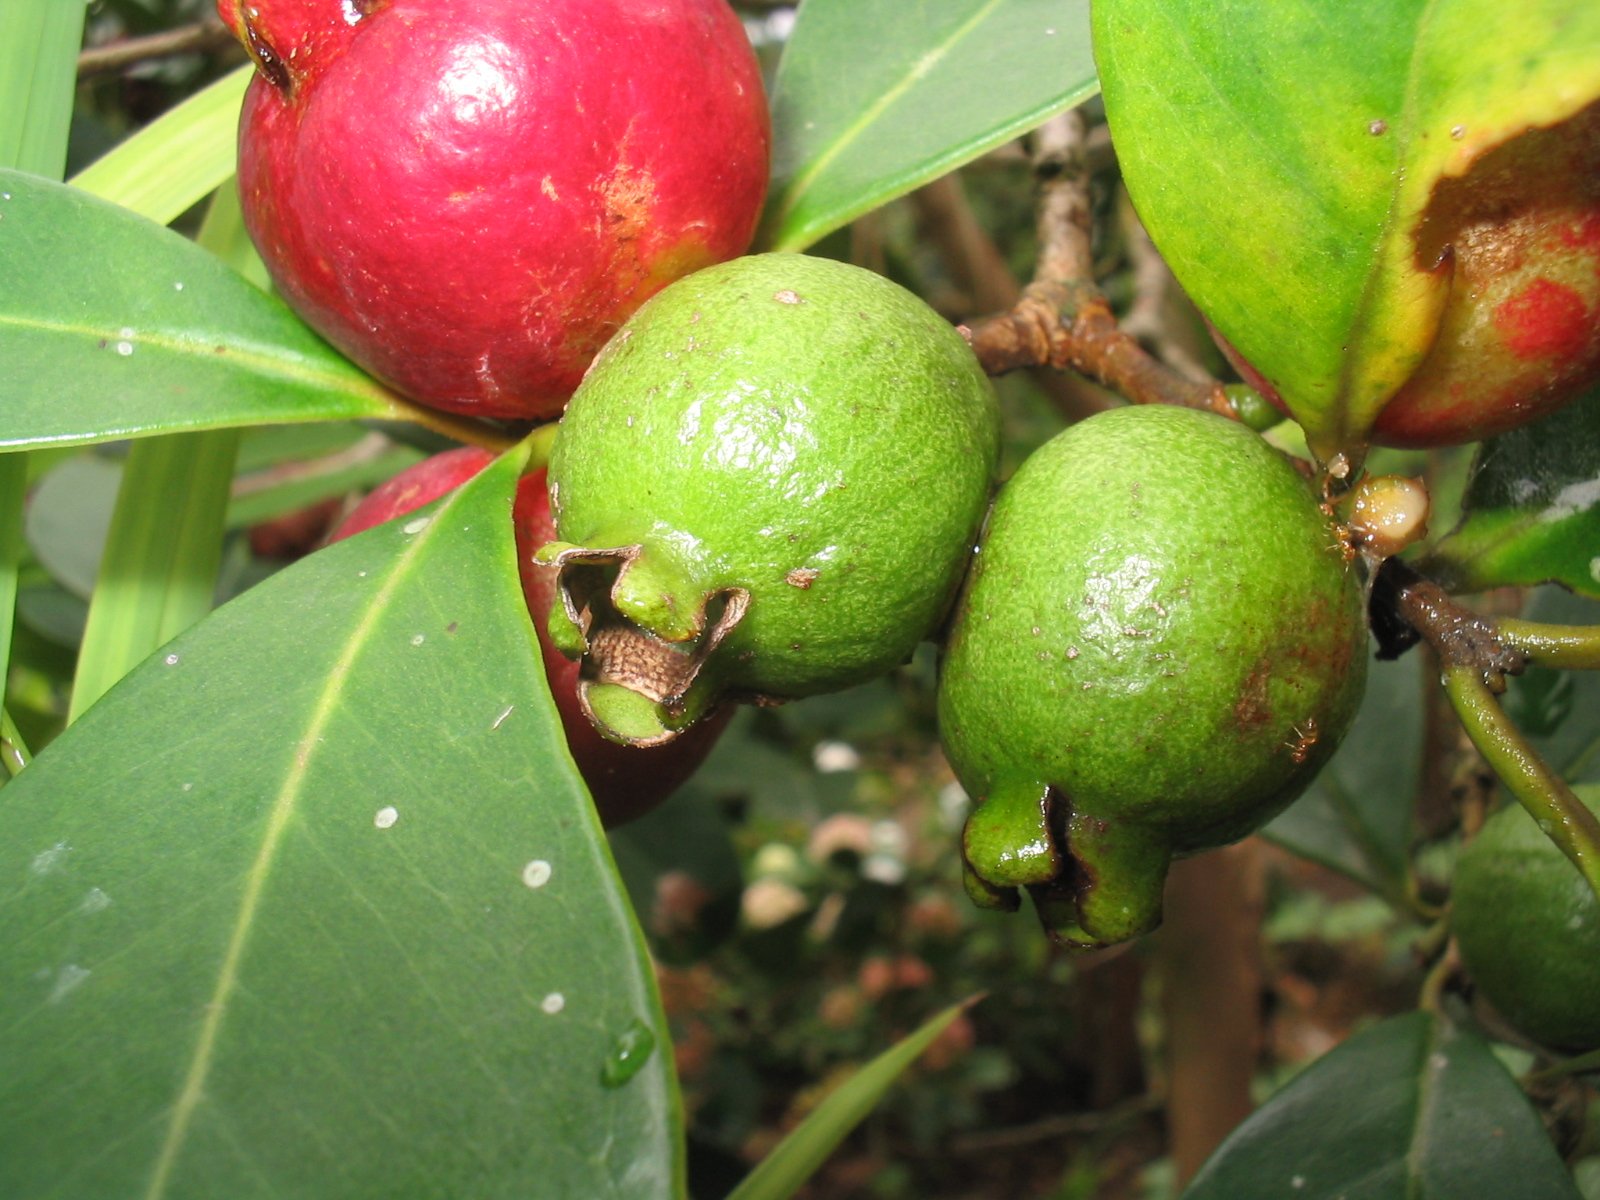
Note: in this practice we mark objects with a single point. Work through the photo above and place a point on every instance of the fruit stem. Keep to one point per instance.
(14, 754)
(539, 444)
(460, 429)
(1564, 647)
(1547, 797)
(1063, 319)
(1571, 1066)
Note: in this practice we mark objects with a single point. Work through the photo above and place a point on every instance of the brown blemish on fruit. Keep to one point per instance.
(1253, 707)
(787, 296)
(801, 577)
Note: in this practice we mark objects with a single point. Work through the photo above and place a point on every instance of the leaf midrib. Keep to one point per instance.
(283, 808)
(919, 70)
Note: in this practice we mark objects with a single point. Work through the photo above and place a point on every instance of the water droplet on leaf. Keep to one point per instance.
(628, 1054)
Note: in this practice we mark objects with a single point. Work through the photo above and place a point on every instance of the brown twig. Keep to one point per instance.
(1063, 319)
(1407, 606)
(946, 221)
(201, 37)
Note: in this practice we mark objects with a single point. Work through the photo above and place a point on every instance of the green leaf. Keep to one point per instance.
(1356, 818)
(178, 159)
(111, 326)
(1532, 509)
(1283, 156)
(1414, 1108)
(158, 574)
(795, 1159)
(38, 59)
(874, 100)
(314, 903)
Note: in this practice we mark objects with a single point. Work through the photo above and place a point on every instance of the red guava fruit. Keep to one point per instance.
(1519, 236)
(468, 197)
(626, 782)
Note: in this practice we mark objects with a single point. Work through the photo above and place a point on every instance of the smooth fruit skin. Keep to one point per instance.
(789, 435)
(468, 197)
(626, 782)
(1160, 644)
(1528, 927)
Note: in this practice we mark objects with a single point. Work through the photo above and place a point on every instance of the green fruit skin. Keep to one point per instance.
(1528, 926)
(792, 426)
(1162, 632)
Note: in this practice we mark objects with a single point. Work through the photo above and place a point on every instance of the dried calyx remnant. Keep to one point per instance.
(637, 688)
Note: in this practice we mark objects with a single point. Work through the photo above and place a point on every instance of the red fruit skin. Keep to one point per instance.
(626, 782)
(468, 197)
(1519, 337)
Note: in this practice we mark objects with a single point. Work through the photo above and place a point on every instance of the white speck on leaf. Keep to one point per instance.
(48, 860)
(537, 873)
(553, 1003)
(1572, 500)
(94, 901)
(124, 348)
(178, 286)
(385, 817)
(416, 526)
(501, 719)
(67, 979)
(417, 640)
(171, 660)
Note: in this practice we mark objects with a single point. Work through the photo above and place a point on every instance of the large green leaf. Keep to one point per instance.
(112, 326)
(313, 903)
(873, 100)
(1532, 509)
(1357, 816)
(1283, 157)
(1413, 1109)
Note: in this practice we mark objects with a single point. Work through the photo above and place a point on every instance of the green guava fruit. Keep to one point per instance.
(1528, 926)
(767, 486)
(1161, 642)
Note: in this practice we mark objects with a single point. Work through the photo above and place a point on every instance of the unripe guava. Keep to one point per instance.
(1528, 926)
(1160, 644)
(768, 486)
(468, 197)
(626, 782)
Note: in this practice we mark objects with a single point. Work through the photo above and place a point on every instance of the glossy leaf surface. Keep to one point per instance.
(874, 100)
(1532, 508)
(1283, 157)
(1356, 816)
(111, 326)
(314, 903)
(1414, 1108)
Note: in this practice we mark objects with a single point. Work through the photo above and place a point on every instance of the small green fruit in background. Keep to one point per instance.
(1161, 643)
(1528, 926)
(767, 486)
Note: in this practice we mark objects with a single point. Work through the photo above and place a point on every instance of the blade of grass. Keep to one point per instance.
(158, 575)
(38, 66)
(176, 160)
(795, 1159)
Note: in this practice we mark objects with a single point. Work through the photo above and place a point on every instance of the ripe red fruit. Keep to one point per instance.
(468, 197)
(1519, 238)
(626, 782)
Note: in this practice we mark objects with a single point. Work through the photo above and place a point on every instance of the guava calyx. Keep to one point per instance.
(642, 650)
